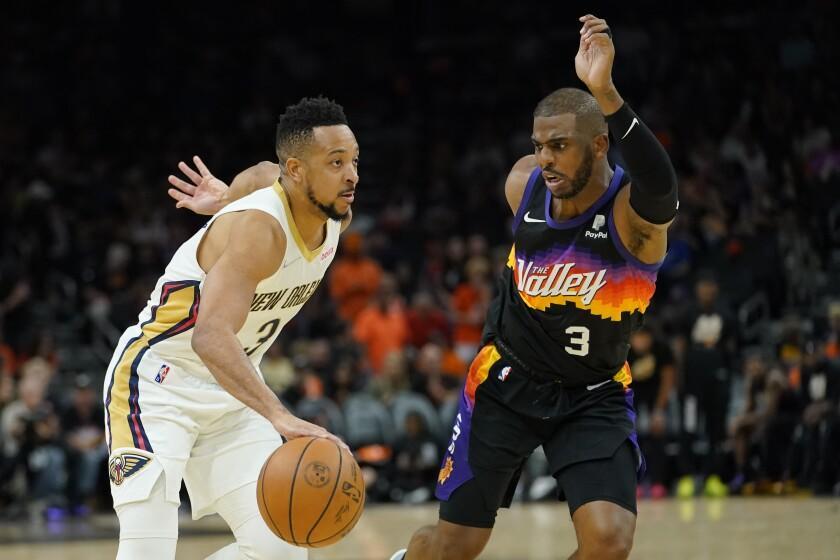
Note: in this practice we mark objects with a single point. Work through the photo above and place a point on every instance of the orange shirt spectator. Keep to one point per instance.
(381, 327)
(469, 307)
(354, 278)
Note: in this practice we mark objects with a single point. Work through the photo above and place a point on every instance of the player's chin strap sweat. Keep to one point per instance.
(653, 187)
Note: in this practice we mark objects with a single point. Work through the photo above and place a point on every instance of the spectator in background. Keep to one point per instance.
(316, 408)
(381, 327)
(430, 377)
(277, 369)
(31, 434)
(816, 457)
(469, 305)
(425, 320)
(415, 462)
(7, 461)
(832, 336)
(709, 335)
(82, 422)
(748, 429)
(652, 366)
(354, 277)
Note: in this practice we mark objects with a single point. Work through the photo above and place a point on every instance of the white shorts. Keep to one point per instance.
(162, 419)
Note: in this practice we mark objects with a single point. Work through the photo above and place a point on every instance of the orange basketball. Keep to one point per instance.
(310, 492)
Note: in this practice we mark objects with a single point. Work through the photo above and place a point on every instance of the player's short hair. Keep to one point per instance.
(588, 117)
(295, 126)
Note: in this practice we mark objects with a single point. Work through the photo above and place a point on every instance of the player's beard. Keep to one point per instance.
(582, 175)
(329, 210)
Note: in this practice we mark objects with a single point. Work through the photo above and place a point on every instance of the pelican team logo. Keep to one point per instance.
(124, 465)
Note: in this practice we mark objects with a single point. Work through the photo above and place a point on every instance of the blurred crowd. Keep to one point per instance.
(736, 373)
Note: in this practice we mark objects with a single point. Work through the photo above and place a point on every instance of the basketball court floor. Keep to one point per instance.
(730, 529)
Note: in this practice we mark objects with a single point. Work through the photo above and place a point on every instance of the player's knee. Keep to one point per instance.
(466, 546)
(608, 540)
(152, 518)
(256, 542)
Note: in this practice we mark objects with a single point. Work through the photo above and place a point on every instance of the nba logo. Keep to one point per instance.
(161, 374)
(503, 375)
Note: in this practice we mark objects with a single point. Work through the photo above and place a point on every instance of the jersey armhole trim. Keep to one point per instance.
(212, 221)
(526, 198)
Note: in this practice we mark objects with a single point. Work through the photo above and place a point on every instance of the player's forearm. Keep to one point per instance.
(254, 178)
(608, 99)
(653, 191)
(223, 355)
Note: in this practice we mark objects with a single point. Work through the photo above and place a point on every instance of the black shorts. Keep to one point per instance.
(588, 434)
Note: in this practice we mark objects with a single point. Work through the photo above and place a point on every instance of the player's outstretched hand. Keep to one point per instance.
(595, 55)
(291, 427)
(204, 195)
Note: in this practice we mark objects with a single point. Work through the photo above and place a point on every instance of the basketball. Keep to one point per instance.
(310, 492)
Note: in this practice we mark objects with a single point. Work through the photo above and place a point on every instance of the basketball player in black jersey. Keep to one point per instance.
(588, 241)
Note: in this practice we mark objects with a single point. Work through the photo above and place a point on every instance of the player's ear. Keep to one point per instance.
(294, 168)
(601, 145)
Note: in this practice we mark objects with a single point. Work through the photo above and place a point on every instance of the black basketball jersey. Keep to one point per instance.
(571, 293)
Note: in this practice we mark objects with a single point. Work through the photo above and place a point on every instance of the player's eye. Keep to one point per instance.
(336, 162)
(356, 162)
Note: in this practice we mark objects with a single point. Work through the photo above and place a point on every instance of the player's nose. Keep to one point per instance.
(545, 157)
(352, 176)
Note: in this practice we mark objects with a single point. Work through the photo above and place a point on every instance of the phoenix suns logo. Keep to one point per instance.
(124, 465)
(446, 471)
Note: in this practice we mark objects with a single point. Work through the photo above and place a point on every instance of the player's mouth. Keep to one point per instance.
(348, 196)
(552, 181)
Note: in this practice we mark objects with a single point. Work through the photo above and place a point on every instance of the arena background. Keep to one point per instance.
(100, 100)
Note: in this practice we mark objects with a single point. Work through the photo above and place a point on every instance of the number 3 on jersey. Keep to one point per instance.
(579, 341)
(266, 331)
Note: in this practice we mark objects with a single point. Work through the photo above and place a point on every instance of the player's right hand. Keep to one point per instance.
(205, 195)
(291, 427)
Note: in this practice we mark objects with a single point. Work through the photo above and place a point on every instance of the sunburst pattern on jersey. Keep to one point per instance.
(627, 288)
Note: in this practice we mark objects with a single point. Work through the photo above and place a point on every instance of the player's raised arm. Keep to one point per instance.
(643, 214)
(206, 194)
(241, 250)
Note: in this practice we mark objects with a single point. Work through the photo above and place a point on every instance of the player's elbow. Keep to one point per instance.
(204, 339)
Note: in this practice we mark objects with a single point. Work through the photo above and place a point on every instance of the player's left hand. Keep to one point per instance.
(205, 195)
(594, 59)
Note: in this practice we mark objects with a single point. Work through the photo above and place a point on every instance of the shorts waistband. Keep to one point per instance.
(534, 375)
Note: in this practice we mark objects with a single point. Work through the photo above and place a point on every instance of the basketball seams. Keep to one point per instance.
(332, 495)
(350, 523)
(292, 491)
(261, 488)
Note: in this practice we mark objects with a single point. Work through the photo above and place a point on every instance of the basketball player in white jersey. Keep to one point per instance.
(184, 396)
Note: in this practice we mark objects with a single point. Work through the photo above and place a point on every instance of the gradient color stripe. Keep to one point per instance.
(624, 376)
(628, 288)
(176, 313)
(479, 370)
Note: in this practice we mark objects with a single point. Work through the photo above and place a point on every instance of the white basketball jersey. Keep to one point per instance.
(167, 321)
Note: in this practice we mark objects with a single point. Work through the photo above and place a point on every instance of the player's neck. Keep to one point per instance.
(568, 208)
(308, 219)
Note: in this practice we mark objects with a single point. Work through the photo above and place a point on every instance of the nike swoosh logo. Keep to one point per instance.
(632, 124)
(591, 387)
(528, 218)
(291, 262)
